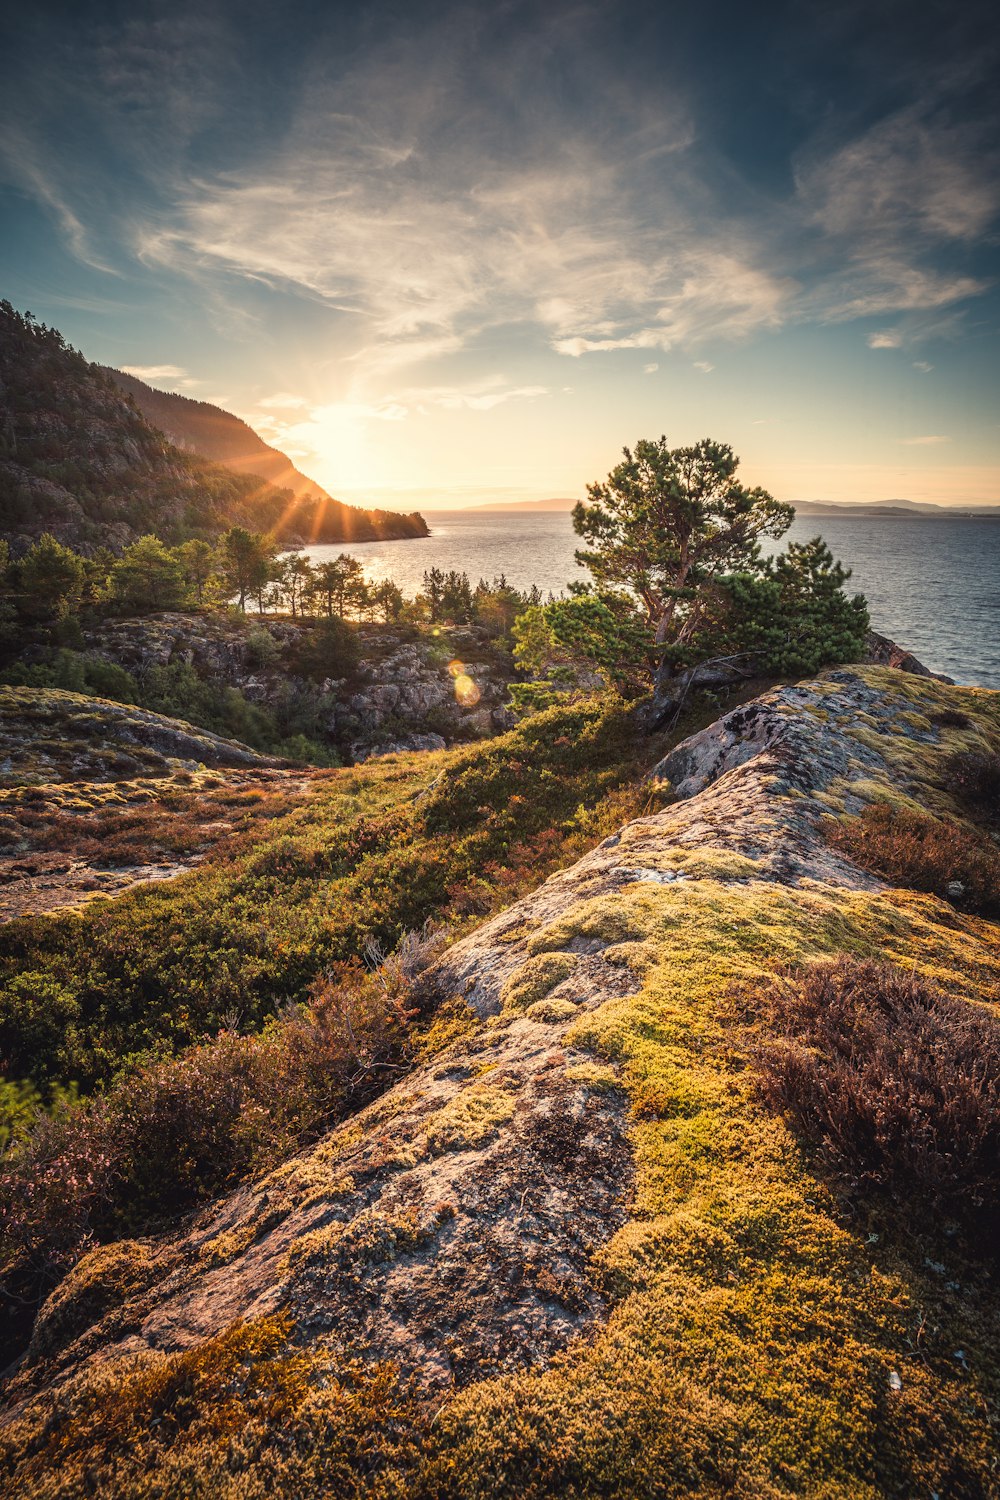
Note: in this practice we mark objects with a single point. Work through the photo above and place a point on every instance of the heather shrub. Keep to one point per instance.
(914, 849)
(896, 1085)
(950, 718)
(176, 1132)
(974, 776)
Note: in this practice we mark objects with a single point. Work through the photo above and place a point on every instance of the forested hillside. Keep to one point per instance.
(199, 427)
(78, 459)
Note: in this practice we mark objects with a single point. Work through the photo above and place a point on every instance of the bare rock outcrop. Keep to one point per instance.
(48, 735)
(880, 651)
(400, 695)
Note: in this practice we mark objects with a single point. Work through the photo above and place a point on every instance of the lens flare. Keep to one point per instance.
(466, 690)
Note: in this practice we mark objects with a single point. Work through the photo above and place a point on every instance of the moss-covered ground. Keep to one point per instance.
(767, 1338)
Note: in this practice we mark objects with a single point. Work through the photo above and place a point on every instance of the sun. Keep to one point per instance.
(338, 446)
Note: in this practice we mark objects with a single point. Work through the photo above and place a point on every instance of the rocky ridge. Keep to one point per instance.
(457, 1225)
(48, 735)
(571, 1251)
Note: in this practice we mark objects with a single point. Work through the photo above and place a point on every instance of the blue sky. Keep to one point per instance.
(448, 253)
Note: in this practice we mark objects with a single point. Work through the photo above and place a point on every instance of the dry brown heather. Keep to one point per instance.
(581, 1249)
(97, 797)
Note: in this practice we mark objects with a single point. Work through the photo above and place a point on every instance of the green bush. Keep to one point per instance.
(76, 672)
(329, 649)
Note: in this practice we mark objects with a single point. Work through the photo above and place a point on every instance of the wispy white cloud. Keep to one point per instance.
(156, 372)
(885, 202)
(907, 174)
(650, 369)
(416, 198)
(923, 365)
(927, 441)
(24, 162)
(703, 366)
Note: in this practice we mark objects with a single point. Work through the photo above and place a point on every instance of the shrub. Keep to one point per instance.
(895, 1084)
(20, 1102)
(76, 672)
(329, 649)
(950, 718)
(261, 650)
(174, 1133)
(974, 776)
(925, 853)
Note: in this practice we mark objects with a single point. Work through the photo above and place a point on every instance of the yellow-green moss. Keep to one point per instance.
(913, 720)
(316, 1246)
(469, 1119)
(594, 1075)
(552, 1011)
(868, 790)
(453, 1021)
(534, 979)
(101, 1281)
(747, 1310)
(602, 917)
(222, 1248)
(717, 864)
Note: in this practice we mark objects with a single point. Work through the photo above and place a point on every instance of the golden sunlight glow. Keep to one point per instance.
(466, 691)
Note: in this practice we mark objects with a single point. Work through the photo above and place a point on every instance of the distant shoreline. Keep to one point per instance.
(923, 511)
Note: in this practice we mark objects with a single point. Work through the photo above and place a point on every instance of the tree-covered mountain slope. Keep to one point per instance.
(78, 459)
(637, 1220)
(199, 427)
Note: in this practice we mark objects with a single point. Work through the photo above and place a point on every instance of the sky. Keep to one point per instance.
(449, 253)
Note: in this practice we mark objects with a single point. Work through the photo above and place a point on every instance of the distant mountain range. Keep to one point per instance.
(84, 455)
(909, 508)
(803, 508)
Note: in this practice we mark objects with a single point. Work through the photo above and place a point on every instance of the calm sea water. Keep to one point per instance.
(932, 585)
